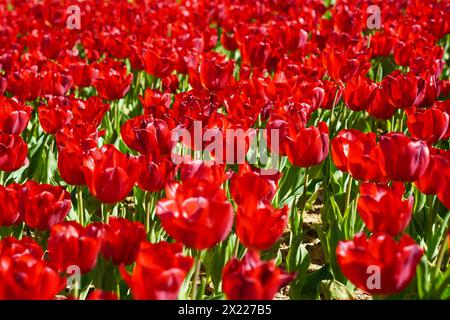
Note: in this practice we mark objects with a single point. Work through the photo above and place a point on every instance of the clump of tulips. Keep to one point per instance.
(113, 136)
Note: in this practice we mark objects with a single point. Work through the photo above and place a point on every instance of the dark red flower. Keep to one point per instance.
(113, 81)
(10, 213)
(55, 114)
(401, 158)
(434, 177)
(159, 272)
(404, 90)
(14, 116)
(379, 265)
(253, 279)
(83, 74)
(215, 72)
(13, 152)
(121, 239)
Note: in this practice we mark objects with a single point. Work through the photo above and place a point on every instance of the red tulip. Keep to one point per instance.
(379, 265)
(308, 146)
(72, 244)
(259, 226)
(381, 107)
(13, 152)
(154, 175)
(383, 208)
(250, 186)
(205, 171)
(403, 159)
(45, 205)
(55, 114)
(109, 174)
(339, 65)
(89, 111)
(14, 116)
(429, 125)
(359, 93)
(25, 84)
(405, 90)
(253, 279)
(83, 74)
(23, 275)
(159, 272)
(9, 205)
(196, 214)
(121, 239)
(433, 179)
(215, 72)
(147, 136)
(113, 81)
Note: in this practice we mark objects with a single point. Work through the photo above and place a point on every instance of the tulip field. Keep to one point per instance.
(224, 149)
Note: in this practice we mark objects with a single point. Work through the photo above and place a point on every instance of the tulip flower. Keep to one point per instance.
(215, 72)
(98, 294)
(433, 180)
(259, 225)
(383, 209)
(24, 275)
(309, 146)
(25, 84)
(404, 90)
(196, 214)
(14, 116)
(159, 272)
(121, 239)
(72, 244)
(379, 265)
(113, 81)
(359, 93)
(339, 65)
(402, 158)
(13, 152)
(45, 205)
(381, 106)
(429, 125)
(205, 171)
(154, 175)
(83, 74)
(55, 114)
(9, 205)
(109, 174)
(147, 136)
(253, 279)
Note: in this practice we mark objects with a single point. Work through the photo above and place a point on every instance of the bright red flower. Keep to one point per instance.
(121, 239)
(205, 171)
(383, 209)
(401, 158)
(25, 84)
(159, 272)
(14, 116)
(434, 177)
(72, 244)
(359, 93)
(405, 90)
(339, 65)
(429, 125)
(83, 74)
(253, 279)
(216, 73)
(196, 214)
(9, 205)
(379, 265)
(45, 205)
(13, 152)
(113, 81)
(109, 174)
(55, 114)
(23, 274)
(308, 146)
(260, 225)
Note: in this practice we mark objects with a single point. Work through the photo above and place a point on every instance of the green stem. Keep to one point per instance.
(198, 264)
(440, 258)
(80, 204)
(430, 218)
(349, 192)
